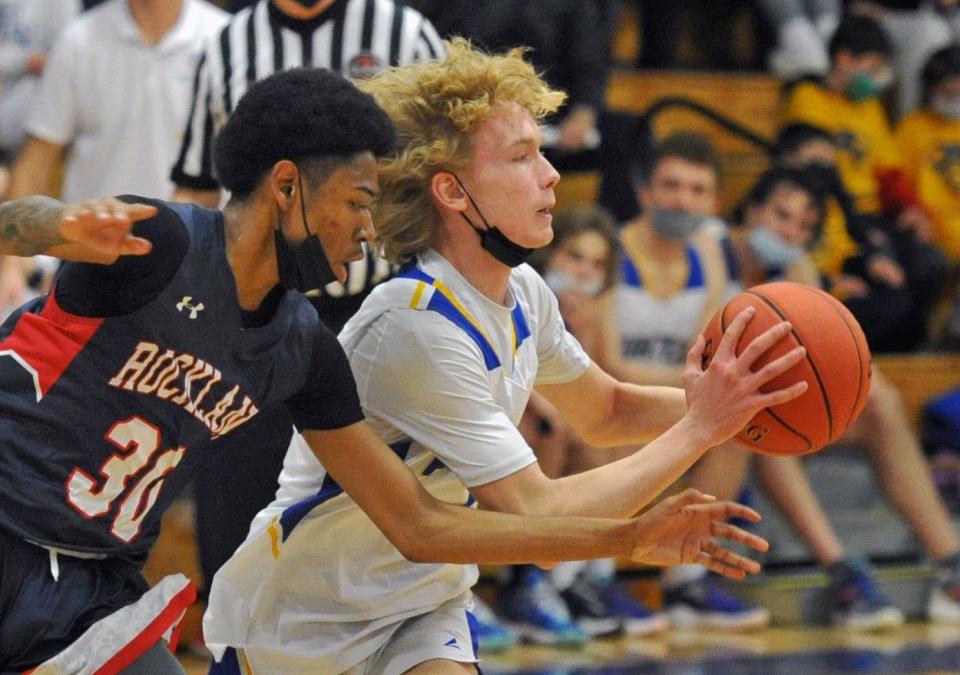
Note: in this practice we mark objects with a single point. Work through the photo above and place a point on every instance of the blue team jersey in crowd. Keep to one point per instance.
(103, 420)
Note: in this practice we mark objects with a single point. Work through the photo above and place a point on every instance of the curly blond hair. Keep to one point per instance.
(436, 106)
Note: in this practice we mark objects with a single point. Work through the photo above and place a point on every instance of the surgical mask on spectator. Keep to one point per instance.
(772, 250)
(947, 106)
(561, 282)
(864, 86)
(674, 224)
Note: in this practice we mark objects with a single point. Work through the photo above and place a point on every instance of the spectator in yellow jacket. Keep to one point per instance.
(845, 103)
(929, 141)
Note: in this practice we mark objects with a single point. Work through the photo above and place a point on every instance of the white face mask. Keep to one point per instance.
(561, 282)
(947, 106)
(772, 250)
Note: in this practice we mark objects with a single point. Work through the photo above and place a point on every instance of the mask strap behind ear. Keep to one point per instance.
(303, 203)
(472, 203)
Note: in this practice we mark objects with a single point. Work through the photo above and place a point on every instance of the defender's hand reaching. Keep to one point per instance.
(680, 529)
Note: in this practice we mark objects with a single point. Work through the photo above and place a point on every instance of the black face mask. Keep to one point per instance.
(304, 268)
(492, 239)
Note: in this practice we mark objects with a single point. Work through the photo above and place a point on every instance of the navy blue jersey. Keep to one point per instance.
(103, 419)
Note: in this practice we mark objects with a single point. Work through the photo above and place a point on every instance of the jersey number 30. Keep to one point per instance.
(138, 442)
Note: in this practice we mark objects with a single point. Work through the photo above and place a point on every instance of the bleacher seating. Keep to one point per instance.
(749, 99)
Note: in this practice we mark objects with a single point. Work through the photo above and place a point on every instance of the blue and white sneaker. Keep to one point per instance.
(493, 637)
(857, 602)
(532, 608)
(588, 609)
(636, 617)
(705, 604)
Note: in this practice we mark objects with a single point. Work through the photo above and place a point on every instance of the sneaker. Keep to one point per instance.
(704, 604)
(492, 637)
(533, 609)
(636, 618)
(944, 603)
(588, 609)
(858, 603)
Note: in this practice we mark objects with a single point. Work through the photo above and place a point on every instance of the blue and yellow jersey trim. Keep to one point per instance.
(433, 295)
(283, 525)
(631, 275)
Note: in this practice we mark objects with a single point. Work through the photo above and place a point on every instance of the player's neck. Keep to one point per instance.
(642, 242)
(661, 263)
(486, 274)
(248, 229)
(296, 10)
(155, 18)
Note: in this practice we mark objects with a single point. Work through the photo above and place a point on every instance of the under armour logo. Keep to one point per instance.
(185, 304)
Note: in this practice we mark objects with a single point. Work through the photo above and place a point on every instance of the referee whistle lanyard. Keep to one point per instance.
(306, 267)
(492, 239)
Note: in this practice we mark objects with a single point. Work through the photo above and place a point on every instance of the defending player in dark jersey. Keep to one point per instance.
(173, 327)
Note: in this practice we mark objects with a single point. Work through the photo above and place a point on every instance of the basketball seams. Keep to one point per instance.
(856, 344)
(789, 428)
(813, 367)
(773, 415)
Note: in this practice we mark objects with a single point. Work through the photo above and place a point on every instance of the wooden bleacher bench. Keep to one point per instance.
(750, 99)
(918, 377)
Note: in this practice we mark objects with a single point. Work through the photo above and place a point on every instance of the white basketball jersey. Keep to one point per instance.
(444, 375)
(659, 330)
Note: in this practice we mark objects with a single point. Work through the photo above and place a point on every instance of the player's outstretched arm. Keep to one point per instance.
(427, 530)
(721, 400)
(683, 529)
(94, 231)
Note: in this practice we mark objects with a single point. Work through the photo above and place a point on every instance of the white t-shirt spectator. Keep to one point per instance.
(121, 102)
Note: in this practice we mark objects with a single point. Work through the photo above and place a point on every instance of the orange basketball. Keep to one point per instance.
(836, 366)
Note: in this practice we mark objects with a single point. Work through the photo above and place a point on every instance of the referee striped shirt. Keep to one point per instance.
(356, 38)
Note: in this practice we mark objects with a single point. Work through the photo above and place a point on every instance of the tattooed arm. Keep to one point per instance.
(96, 231)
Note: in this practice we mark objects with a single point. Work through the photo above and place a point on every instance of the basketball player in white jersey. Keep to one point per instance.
(673, 279)
(445, 357)
(669, 288)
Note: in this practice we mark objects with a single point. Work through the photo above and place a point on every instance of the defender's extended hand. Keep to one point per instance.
(680, 529)
(106, 226)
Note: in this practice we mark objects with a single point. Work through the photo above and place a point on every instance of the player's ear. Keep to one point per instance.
(283, 183)
(447, 192)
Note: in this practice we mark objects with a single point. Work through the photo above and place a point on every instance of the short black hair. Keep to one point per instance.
(942, 64)
(308, 115)
(690, 146)
(794, 136)
(792, 179)
(860, 35)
